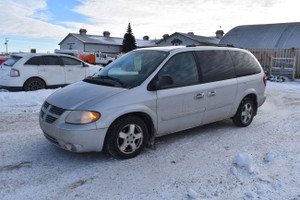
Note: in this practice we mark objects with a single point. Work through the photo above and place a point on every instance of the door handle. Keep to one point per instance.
(199, 96)
(211, 93)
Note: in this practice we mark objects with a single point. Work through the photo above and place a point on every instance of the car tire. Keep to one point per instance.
(245, 113)
(126, 137)
(33, 84)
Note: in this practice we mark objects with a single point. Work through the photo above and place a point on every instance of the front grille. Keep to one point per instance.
(56, 110)
(46, 105)
(50, 119)
(50, 113)
(42, 114)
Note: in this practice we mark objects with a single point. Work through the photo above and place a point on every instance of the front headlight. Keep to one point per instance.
(82, 117)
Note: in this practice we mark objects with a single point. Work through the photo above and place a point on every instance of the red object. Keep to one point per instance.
(265, 80)
(2, 60)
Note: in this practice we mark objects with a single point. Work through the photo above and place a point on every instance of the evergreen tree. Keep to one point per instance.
(128, 41)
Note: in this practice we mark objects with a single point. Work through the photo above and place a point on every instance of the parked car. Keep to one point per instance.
(3, 59)
(153, 92)
(37, 71)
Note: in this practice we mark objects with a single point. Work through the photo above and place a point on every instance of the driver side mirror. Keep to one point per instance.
(85, 65)
(160, 82)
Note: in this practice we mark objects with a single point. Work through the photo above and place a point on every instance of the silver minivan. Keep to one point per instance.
(152, 92)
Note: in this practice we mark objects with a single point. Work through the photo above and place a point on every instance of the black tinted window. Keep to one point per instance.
(34, 61)
(244, 63)
(183, 70)
(51, 60)
(70, 61)
(215, 65)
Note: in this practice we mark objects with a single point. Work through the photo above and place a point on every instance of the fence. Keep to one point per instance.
(278, 61)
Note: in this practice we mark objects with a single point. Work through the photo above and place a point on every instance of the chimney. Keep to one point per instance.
(190, 33)
(165, 36)
(219, 34)
(82, 31)
(106, 33)
(146, 37)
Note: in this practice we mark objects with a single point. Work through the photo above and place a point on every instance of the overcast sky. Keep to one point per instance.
(42, 24)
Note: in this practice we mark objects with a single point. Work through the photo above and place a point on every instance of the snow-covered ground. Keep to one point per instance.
(216, 161)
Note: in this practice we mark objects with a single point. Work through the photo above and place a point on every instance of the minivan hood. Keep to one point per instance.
(82, 95)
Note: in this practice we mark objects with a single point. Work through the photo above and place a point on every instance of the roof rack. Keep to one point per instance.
(216, 45)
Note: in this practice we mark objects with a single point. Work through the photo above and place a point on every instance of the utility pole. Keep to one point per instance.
(6, 41)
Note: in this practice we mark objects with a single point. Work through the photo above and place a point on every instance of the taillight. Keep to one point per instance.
(14, 73)
(265, 80)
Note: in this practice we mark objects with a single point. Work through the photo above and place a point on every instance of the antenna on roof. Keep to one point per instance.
(6, 41)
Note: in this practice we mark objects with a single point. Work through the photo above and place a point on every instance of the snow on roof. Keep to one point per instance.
(284, 35)
(107, 40)
(197, 38)
(94, 39)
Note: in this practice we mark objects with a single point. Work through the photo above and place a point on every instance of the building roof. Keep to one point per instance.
(96, 39)
(196, 38)
(284, 35)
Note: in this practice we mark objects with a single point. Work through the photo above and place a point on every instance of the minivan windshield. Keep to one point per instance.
(130, 69)
(10, 62)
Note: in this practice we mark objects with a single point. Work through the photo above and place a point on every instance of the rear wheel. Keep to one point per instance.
(126, 137)
(245, 113)
(33, 84)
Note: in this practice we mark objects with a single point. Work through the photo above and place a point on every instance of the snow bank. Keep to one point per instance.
(24, 99)
(216, 161)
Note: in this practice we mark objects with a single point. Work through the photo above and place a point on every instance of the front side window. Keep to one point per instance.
(51, 60)
(215, 65)
(183, 70)
(130, 69)
(244, 64)
(70, 61)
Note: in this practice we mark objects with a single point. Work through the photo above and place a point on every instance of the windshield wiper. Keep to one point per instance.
(112, 78)
(97, 81)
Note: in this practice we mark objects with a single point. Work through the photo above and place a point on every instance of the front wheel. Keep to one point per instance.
(126, 137)
(245, 113)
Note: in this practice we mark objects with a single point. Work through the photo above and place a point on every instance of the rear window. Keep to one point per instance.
(10, 62)
(244, 64)
(215, 65)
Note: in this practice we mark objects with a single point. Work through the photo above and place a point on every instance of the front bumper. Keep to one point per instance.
(76, 138)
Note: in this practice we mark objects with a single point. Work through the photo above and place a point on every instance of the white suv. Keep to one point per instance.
(153, 92)
(38, 71)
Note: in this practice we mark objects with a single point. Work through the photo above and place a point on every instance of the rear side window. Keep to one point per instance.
(34, 61)
(51, 60)
(70, 61)
(183, 70)
(244, 64)
(215, 65)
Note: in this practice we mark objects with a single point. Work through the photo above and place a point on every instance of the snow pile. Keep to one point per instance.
(271, 156)
(216, 161)
(24, 99)
(244, 160)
